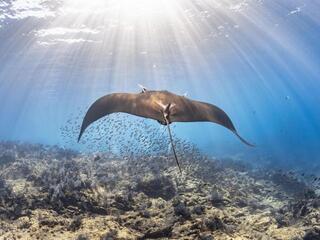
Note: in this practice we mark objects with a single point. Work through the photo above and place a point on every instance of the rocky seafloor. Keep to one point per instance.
(52, 193)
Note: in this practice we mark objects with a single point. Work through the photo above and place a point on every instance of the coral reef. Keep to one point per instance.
(53, 193)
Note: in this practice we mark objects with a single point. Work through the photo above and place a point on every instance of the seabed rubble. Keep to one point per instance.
(53, 193)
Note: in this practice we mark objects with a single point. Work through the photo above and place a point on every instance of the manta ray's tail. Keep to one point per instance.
(173, 147)
(242, 139)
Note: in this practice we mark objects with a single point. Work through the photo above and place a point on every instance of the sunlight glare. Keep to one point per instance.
(137, 9)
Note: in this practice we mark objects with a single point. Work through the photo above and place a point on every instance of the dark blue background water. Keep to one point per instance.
(257, 60)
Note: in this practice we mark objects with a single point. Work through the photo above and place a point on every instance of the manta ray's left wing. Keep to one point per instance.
(136, 104)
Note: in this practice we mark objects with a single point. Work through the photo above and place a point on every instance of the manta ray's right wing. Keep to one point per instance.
(194, 111)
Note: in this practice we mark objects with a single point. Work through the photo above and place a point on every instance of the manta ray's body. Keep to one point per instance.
(163, 106)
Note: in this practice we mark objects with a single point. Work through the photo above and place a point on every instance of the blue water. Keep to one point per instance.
(257, 60)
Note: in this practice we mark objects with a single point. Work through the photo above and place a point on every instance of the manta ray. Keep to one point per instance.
(162, 106)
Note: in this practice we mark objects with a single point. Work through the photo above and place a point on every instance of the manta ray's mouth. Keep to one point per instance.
(163, 122)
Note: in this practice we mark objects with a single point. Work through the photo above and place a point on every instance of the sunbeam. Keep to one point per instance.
(243, 55)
